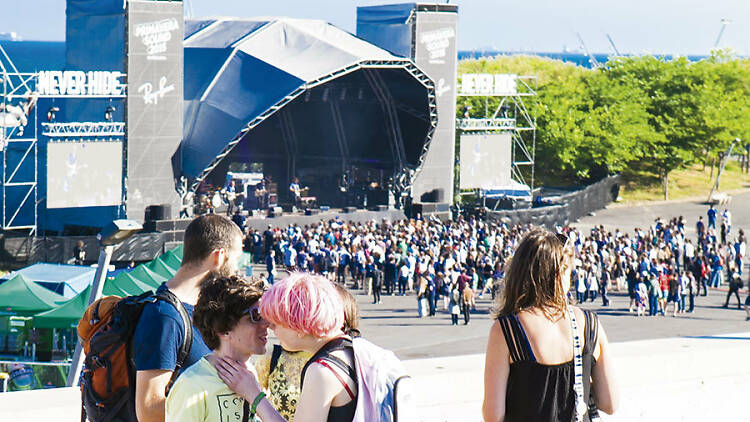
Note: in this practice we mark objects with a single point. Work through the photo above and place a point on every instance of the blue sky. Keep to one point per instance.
(637, 26)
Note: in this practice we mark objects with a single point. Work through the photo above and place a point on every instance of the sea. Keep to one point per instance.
(576, 58)
(32, 56)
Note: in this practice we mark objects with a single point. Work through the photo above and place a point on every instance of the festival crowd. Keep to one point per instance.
(453, 262)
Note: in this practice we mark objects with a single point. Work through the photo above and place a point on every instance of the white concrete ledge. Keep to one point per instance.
(675, 379)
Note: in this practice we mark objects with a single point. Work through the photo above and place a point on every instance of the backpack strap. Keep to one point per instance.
(275, 355)
(187, 341)
(342, 365)
(340, 343)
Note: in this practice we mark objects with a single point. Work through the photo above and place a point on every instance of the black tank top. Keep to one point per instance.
(343, 413)
(538, 392)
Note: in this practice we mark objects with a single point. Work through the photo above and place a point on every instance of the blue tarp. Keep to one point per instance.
(238, 69)
(67, 280)
(387, 26)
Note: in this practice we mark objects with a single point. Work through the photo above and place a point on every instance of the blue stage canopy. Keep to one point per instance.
(397, 39)
(242, 72)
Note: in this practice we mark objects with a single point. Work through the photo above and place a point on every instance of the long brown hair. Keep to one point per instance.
(532, 277)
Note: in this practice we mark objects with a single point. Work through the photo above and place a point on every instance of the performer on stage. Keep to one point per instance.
(296, 192)
(261, 192)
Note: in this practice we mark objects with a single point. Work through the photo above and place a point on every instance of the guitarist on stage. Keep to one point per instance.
(296, 192)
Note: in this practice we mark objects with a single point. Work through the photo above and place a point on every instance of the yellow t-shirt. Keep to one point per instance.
(283, 385)
(200, 395)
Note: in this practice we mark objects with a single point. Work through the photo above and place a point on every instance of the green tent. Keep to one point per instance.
(143, 274)
(112, 289)
(131, 285)
(159, 267)
(178, 251)
(65, 315)
(23, 296)
(172, 260)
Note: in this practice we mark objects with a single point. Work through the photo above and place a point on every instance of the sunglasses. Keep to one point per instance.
(254, 312)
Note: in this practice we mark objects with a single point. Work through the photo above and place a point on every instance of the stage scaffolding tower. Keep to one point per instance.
(514, 112)
(18, 141)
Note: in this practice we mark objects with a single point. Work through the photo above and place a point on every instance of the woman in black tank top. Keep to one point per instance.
(533, 316)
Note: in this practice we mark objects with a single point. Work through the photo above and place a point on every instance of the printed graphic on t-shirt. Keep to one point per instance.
(230, 407)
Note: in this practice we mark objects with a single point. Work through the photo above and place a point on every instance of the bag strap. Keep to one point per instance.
(187, 341)
(340, 343)
(325, 363)
(246, 411)
(581, 407)
(275, 355)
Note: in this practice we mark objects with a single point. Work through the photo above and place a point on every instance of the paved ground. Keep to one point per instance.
(628, 217)
(394, 324)
(670, 379)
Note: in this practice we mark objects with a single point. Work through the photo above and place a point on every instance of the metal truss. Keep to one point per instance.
(405, 175)
(18, 143)
(511, 115)
(84, 129)
(486, 124)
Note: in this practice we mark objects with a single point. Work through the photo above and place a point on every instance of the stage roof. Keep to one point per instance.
(239, 72)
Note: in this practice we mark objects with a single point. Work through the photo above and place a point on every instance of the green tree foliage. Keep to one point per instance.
(644, 114)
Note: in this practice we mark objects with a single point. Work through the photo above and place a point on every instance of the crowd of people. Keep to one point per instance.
(661, 266)
(316, 373)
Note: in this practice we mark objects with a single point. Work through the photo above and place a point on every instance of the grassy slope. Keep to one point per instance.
(691, 182)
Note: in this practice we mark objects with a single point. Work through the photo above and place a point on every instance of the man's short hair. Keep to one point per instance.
(221, 304)
(206, 234)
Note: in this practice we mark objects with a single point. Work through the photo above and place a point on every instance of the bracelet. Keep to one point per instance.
(256, 402)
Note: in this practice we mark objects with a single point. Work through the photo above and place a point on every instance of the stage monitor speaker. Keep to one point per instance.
(435, 195)
(312, 211)
(158, 212)
(429, 208)
(275, 211)
(349, 210)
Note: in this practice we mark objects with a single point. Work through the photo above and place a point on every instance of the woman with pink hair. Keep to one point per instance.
(307, 314)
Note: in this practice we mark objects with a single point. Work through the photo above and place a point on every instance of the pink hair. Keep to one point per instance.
(306, 303)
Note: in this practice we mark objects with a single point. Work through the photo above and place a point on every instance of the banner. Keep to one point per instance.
(155, 103)
(436, 54)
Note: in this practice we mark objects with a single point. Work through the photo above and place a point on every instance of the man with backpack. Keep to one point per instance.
(212, 246)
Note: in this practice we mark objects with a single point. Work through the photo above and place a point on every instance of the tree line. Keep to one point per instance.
(634, 114)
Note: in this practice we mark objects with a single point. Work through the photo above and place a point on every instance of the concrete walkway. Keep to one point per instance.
(674, 379)
(671, 379)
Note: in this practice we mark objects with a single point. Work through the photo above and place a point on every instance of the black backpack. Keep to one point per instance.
(106, 331)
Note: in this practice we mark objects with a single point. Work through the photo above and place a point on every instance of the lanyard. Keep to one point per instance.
(581, 406)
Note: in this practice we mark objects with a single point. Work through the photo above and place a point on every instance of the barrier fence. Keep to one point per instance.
(566, 208)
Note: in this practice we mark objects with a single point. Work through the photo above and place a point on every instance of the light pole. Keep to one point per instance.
(112, 234)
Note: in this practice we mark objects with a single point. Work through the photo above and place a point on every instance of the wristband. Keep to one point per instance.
(256, 402)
